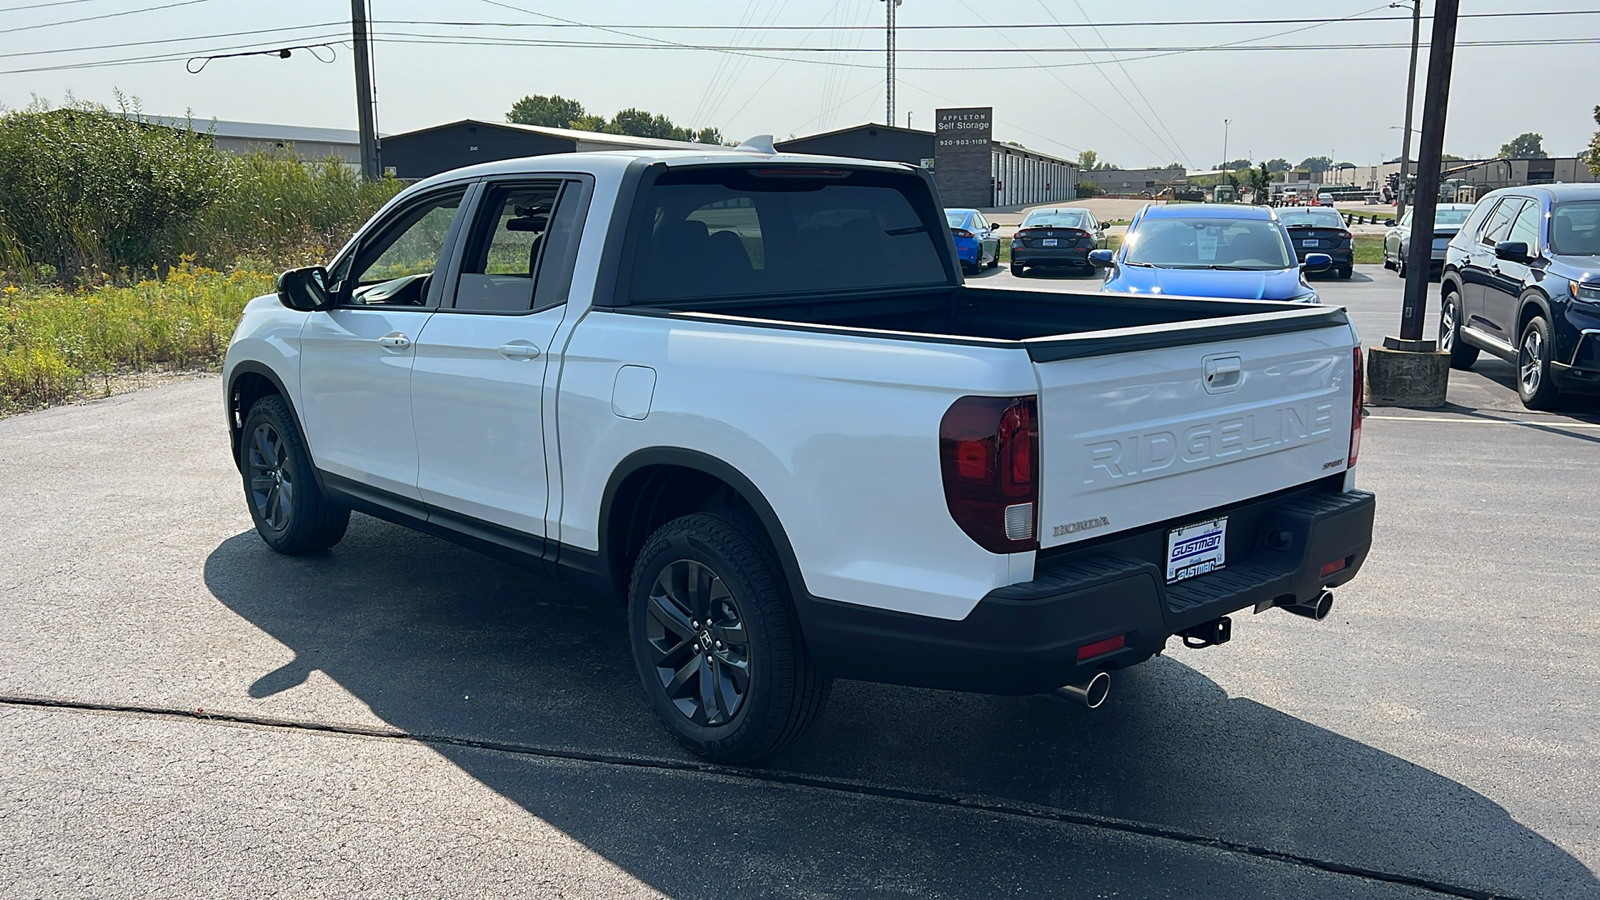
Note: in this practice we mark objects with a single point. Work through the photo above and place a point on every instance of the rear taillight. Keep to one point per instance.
(961, 233)
(1074, 234)
(1342, 235)
(1355, 405)
(989, 458)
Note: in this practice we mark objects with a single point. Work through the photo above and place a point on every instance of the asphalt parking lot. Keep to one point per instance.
(182, 712)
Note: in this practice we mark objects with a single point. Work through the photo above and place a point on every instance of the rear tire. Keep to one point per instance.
(1346, 271)
(716, 642)
(1462, 354)
(1400, 268)
(1017, 269)
(290, 511)
(1534, 385)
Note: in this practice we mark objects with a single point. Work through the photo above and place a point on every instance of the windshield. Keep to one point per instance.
(1575, 228)
(1054, 220)
(1310, 218)
(955, 218)
(1209, 243)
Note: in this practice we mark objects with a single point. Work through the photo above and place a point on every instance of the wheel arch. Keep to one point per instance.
(1533, 303)
(247, 383)
(653, 486)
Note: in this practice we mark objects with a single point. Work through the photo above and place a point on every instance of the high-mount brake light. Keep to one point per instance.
(802, 172)
(989, 460)
(1355, 406)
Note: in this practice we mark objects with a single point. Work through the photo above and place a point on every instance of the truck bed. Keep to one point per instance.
(1051, 325)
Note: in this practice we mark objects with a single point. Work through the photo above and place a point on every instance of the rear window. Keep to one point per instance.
(1575, 228)
(1315, 218)
(713, 233)
(1450, 216)
(1054, 220)
(955, 219)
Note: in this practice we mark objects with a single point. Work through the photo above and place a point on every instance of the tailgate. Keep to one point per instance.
(1163, 433)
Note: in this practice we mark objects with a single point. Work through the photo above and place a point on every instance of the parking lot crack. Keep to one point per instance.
(992, 805)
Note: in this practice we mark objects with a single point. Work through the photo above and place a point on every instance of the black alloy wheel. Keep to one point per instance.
(271, 484)
(716, 642)
(698, 640)
(289, 510)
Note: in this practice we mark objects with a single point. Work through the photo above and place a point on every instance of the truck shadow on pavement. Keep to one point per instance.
(443, 643)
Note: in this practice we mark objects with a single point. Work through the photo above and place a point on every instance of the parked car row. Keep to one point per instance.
(1447, 219)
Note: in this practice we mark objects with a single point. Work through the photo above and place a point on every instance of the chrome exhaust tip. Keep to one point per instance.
(1316, 609)
(1090, 693)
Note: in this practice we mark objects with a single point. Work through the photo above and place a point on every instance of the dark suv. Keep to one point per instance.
(1522, 281)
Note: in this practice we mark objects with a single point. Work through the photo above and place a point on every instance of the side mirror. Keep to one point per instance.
(1317, 262)
(1100, 259)
(1515, 251)
(1389, 222)
(305, 289)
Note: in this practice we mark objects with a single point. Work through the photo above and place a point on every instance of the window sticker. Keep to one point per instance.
(1206, 242)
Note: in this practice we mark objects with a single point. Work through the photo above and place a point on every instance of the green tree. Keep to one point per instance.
(708, 136)
(1278, 165)
(1234, 165)
(553, 111)
(1591, 157)
(1317, 163)
(589, 123)
(1260, 181)
(1089, 161)
(1527, 145)
(1087, 189)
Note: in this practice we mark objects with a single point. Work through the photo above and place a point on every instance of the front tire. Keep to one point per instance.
(290, 512)
(1534, 386)
(1462, 354)
(716, 642)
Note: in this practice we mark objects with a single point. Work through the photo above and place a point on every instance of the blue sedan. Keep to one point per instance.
(977, 241)
(1209, 250)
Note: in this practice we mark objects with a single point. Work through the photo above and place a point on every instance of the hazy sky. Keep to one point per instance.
(1294, 103)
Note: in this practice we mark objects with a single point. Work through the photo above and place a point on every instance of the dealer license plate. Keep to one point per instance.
(1311, 243)
(1048, 242)
(1197, 549)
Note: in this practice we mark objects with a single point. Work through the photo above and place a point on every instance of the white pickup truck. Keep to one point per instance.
(750, 395)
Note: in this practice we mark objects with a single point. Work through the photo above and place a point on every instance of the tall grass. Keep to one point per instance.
(54, 344)
(282, 211)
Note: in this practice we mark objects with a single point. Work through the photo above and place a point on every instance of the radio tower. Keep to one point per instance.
(889, 83)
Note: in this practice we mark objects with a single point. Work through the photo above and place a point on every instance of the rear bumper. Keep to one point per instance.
(1342, 256)
(1042, 257)
(1024, 638)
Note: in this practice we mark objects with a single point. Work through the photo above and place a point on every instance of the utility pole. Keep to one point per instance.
(1225, 123)
(888, 117)
(364, 119)
(1411, 91)
(1419, 256)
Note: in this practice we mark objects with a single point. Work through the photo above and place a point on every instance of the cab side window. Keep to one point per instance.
(1526, 227)
(519, 257)
(1499, 224)
(394, 265)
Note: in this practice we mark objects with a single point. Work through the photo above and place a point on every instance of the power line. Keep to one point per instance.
(1126, 74)
(43, 5)
(1070, 89)
(126, 12)
(567, 23)
(176, 40)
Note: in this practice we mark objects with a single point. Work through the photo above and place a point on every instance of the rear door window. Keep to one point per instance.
(1499, 223)
(520, 255)
(1526, 226)
(723, 232)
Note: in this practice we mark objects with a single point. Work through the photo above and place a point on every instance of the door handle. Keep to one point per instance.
(519, 350)
(394, 340)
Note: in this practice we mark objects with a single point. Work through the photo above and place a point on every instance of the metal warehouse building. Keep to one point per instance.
(1018, 176)
(440, 148)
